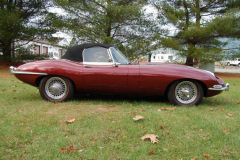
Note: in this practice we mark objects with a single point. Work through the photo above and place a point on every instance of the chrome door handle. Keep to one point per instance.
(88, 66)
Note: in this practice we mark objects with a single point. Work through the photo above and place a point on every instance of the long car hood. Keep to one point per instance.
(175, 70)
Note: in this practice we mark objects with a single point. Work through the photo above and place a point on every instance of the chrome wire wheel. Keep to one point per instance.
(186, 92)
(56, 88)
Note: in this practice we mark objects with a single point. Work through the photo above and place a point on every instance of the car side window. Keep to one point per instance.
(96, 54)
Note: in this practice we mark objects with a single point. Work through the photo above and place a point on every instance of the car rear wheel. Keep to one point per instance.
(55, 88)
(185, 93)
(228, 64)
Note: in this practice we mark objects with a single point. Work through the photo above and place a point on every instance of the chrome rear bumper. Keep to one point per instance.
(220, 87)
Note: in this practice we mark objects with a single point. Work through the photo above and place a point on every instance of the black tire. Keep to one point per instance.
(228, 64)
(54, 88)
(185, 93)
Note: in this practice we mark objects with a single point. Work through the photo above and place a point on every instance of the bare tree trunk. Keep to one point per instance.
(189, 61)
(6, 47)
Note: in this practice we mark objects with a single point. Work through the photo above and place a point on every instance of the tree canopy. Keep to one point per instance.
(197, 26)
(22, 20)
(119, 22)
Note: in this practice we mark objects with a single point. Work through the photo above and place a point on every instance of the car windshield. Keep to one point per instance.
(118, 56)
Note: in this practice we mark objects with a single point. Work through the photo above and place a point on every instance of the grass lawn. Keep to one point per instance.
(31, 128)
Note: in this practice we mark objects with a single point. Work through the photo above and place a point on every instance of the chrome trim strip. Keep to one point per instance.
(217, 88)
(98, 63)
(13, 70)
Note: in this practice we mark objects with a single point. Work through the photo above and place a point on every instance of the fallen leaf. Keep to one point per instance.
(151, 152)
(70, 149)
(194, 158)
(94, 139)
(4, 90)
(161, 127)
(70, 120)
(152, 137)
(14, 97)
(206, 156)
(111, 106)
(222, 110)
(14, 91)
(168, 108)
(129, 104)
(225, 131)
(143, 127)
(229, 115)
(210, 109)
(134, 112)
(143, 110)
(138, 118)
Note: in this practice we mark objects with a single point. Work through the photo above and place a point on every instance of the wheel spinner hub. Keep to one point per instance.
(56, 88)
(186, 92)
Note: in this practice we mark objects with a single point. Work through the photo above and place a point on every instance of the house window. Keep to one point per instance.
(60, 53)
(170, 57)
(162, 57)
(154, 57)
(45, 50)
(37, 50)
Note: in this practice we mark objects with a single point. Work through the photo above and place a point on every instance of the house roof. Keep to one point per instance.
(46, 41)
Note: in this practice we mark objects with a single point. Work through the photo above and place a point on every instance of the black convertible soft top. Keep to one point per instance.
(75, 53)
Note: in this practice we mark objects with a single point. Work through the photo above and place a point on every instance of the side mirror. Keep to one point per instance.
(109, 60)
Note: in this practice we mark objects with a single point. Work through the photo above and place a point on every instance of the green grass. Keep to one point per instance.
(31, 128)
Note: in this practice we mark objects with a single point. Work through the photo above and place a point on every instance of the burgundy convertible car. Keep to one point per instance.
(102, 68)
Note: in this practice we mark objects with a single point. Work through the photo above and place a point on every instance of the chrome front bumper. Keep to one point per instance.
(220, 87)
(13, 70)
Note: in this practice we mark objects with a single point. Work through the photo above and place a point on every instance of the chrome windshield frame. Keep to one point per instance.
(121, 54)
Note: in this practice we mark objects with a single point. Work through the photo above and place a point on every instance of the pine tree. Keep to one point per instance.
(22, 20)
(119, 22)
(198, 25)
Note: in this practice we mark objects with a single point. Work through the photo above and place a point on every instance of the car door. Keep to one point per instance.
(100, 72)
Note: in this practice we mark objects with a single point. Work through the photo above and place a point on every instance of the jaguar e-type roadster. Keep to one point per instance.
(102, 68)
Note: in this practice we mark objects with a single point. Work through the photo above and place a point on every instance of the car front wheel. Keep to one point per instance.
(228, 64)
(55, 88)
(186, 93)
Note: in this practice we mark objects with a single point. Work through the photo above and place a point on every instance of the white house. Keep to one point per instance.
(44, 47)
(164, 55)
